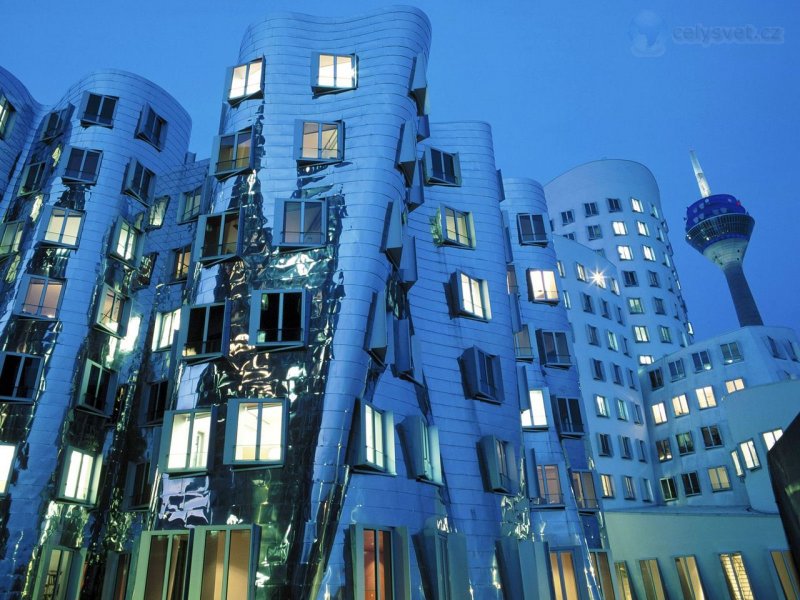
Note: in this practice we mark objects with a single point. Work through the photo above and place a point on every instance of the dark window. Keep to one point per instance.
(220, 235)
(442, 167)
(234, 152)
(656, 378)
(303, 222)
(6, 116)
(204, 331)
(731, 353)
(570, 420)
(553, 348)
(99, 110)
(531, 229)
(685, 443)
(152, 128)
(97, 390)
(19, 376)
(630, 279)
(482, 375)
(701, 361)
(711, 436)
(590, 209)
(182, 259)
(691, 483)
(279, 319)
(32, 176)
(139, 182)
(614, 205)
(567, 217)
(140, 485)
(664, 450)
(158, 394)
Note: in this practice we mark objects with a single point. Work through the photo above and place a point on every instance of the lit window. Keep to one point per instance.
(32, 177)
(685, 443)
(82, 166)
(6, 116)
(748, 450)
(737, 466)
(317, 142)
(97, 389)
(80, 476)
(612, 345)
(583, 487)
(301, 222)
(98, 110)
(10, 236)
(570, 420)
(736, 576)
(712, 438)
(680, 405)
(701, 361)
(770, 437)
(234, 153)
(705, 397)
(567, 217)
(222, 555)
(664, 334)
(535, 415)
(640, 333)
(645, 359)
(549, 484)
(152, 128)
(604, 444)
(8, 454)
(125, 243)
(601, 406)
(185, 440)
(590, 209)
(607, 485)
(163, 560)
(181, 259)
(457, 227)
(472, 297)
(734, 385)
(19, 376)
(332, 72)
(786, 571)
(112, 311)
(542, 286)
(442, 168)
(659, 413)
(651, 577)
(635, 306)
(689, 575)
(624, 253)
(191, 204)
(629, 490)
(720, 481)
(482, 375)
(139, 182)
(731, 353)
(255, 432)
(668, 488)
(636, 205)
(380, 562)
(423, 442)
(375, 442)
(580, 271)
(648, 253)
(246, 81)
(203, 328)
(567, 300)
(531, 229)
(615, 291)
(217, 236)
(279, 319)
(42, 298)
(166, 324)
(564, 574)
(553, 348)
(664, 450)
(676, 370)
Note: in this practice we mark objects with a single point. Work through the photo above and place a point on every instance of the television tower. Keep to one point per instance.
(719, 227)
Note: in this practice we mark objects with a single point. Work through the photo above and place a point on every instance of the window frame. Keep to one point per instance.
(10, 237)
(186, 316)
(197, 204)
(118, 328)
(8, 458)
(81, 175)
(172, 318)
(67, 215)
(542, 286)
(31, 179)
(256, 315)
(7, 116)
(236, 164)
(530, 423)
(190, 466)
(132, 253)
(380, 456)
(433, 158)
(467, 240)
(669, 489)
(300, 133)
(88, 120)
(233, 424)
(93, 480)
(731, 353)
(139, 581)
(422, 439)
(501, 470)
(557, 342)
(33, 376)
(220, 246)
(140, 182)
(483, 375)
(717, 483)
(105, 378)
(235, 100)
(664, 450)
(320, 88)
(457, 282)
(306, 242)
(398, 560)
(537, 235)
(22, 298)
(196, 561)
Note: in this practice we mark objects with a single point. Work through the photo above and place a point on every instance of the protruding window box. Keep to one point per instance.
(55, 123)
(419, 83)
(140, 182)
(98, 389)
(372, 439)
(318, 143)
(19, 377)
(63, 227)
(97, 109)
(245, 81)
(500, 469)
(233, 153)
(408, 355)
(442, 168)
(332, 73)
(255, 432)
(42, 298)
(301, 223)
(186, 441)
(407, 151)
(10, 237)
(32, 178)
(469, 297)
(224, 562)
(204, 332)
(483, 377)
(152, 128)
(112, 312)
(80, 476)
(279, 318)
(378, 336)
(553, 349)
(408, 263)
(126, 243)
(422, 441)
(219, 237)
(393, 232)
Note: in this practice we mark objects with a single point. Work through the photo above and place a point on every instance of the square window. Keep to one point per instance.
(482, 375)
(19, 376)
(152, 128)
(685, 443)
(204, 330)
(668, 489)
(80, 476)
(567, 217)
(185, 441)
(10, 236)
(302, 223)
(279, 318)
(619, 228)
(676, 370)
(42, 298)
(166, 324)
(246, 81)
(705, 397)
(531, 230)
(457, 227)
(614, 205)
(535, 415)
(542, 286)
(98, 389)
(648, 253)
(317, 142)
(734, 385)
(218, 237)
(191, 204)
(720, 480)
(630, 279)
(157, 212)
(8, 455)
(553, 348)
(333, 72)
(255, 432)
(659, 413)
(590, 209)
(442, 168)
(374, 444)
(82, 166)
(691, 483)
(6, 116)
(98, 110)
(635, 306)
(664, 450)
(471, 295)
(711, 436)
(234, 153)
(731, 353)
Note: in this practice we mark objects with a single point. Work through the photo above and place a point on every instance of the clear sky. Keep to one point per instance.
(561, 82)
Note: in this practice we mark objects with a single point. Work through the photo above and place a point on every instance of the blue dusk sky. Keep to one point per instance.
(562, 83)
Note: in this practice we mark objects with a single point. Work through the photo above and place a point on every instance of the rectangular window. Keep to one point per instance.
(619, 228)
(553, 348)
(255, 432)
(680, 405)
(705, 397)
(423, 442)
(607, 485)
(638, 418)
(380, 562)
(457, 228)
(567, 217)
(54, 123)
(731, 353)
(531, 230)
(375, 443)
(604, 447)
(246, 81)
(685, 443)
(748, 450)
(624, 580)
(442, 168)
(185, 441)
(734, 385)
(583, 487)
(234, 153)
(622, 410)
(774, 349)
(112, 311)
(542, 286)
(31, 178)
(317, 142)
(641, 228)
(736, 576)
(628, 487)
(770, 437)
(157, 398)
(647, 490)
(641, 334)
(6, 116)
(302, 223)
(203, 330)
(594, 232)
(42, 298)
(152, 128)
(191, 204)
(8, 455)
(689, 576)
(598, 370)
(611, 342)
(482, 375)
(635, 306)
(630, 279)
(19, 376)
(718, 476)
(166, 324)
(624, 252)
(10, 236)
(601, 406)
(549, 484)
(668, 488)
(625, 449)
(98, 110)
(522, 344)
(658, 306)
(614, 205)
(787, 573)
(712, 438)
(80, 476)
(637, 206)
(645, 359)
(664, 450)
(590, 209)
(676, 370)
(659, 413)
(580, 272)
(218, 236)
(534, 415)
(139, 487)
(570, 420)
(701, 361)
(125, 245)
(279, 319)
(221, 564)
(737, 466)
(472, 297)
(182, 258)
(82, 166)
(587, 303)
(664, 334)
(97, 388)
(333, 72)
(140, 182)
(591, 335)
(564, 573)
(163, 563)
(652, 279)
(648, 253)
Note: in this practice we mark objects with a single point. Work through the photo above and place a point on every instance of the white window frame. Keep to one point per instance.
(534, 414)
(374, 440)
(10, 237)
(705, 397)
(167, 325)
(659, 413)
(322, 83)
(472, 297)
(8, 458)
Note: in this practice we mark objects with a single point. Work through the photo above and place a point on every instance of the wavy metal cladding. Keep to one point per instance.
(17, 132)
(33, 518)
(299, 505)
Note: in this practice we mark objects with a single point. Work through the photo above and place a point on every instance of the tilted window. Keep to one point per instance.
(676, 370)
(570, 420)
(500, 465)
(218, 236)
(531, 229)
(302, 223)
(442, 168)
(279, 318)
(191, 204)
(182, 258)
(8, 454)
(680, 405)
(691, 483)
(567, 217)
(614, 205)
(42, 297)
(719, 478)
(55, 122)
(659, 413)
(125, 242)
(19, 376)
(534, 413)
(731, 353)
(82, 166)
(152, 128)
(664, 450)
(423, 446)
(584, 490)
(333, 72)
(457, 227)
(542, 286)
(234, 153)
(6, 116)
(10, 236)
(140, 182)
(157, 397)
(166, 324)
(185, 440)
(246, 81)
(63, 227)
(32, 178)
(204, 329)
(482, 375)
(222, 564)
(255, 432)
(80, 476)
(374, 439)
(685, 443)
(112, 311)
(705, 397)
(317, 142)
(471, 296)
(98, 110)
(138, 487)
(668, 488)
(553, 348)
(712, 438)
(97, 388)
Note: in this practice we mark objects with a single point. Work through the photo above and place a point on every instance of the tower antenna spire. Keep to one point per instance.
(702, 182)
